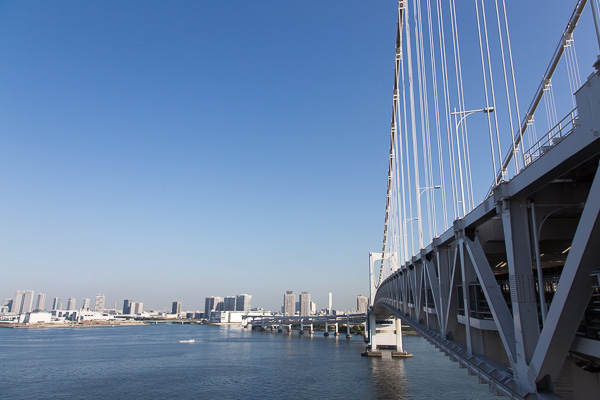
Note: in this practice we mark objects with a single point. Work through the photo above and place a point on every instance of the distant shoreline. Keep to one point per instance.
(73, 325)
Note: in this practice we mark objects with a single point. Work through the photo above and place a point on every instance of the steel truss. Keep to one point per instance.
(510, 290)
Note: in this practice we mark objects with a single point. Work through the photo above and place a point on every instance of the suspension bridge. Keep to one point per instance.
(505, 283)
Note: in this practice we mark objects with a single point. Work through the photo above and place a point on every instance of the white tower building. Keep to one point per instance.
(99, 304)
(41, 301)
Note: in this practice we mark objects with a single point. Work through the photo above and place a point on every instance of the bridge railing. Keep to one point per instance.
(555, 135)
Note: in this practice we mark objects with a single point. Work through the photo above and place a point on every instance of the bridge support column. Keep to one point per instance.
(372, 324)
(399, 353)
(398, 324)
(326, 328)
(523, 296)
(348, 335)
(337, 331)
(301, 327)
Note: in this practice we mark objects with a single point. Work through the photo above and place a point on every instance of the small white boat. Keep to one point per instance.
(187, 341)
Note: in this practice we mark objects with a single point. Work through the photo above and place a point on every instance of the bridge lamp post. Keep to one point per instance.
(464, 114)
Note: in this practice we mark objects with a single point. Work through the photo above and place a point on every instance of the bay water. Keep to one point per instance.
(225, 362)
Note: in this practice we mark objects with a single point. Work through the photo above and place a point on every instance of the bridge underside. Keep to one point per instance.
(511, 291)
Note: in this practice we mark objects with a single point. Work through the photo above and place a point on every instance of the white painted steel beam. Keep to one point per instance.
(491, 290)
(522, 290)
(435, 289)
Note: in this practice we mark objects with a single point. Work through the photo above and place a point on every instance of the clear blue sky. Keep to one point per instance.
(164, 151)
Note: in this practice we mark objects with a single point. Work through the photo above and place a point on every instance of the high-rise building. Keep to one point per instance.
(7, 303)
(305, 303)
(23, 302)
(86, 304)
(17, 302)
(137, 307)
(56, 304)
(229, 303)
(71, 303)
(41, 301)
(213, 303)
(243, 302)
(176, 309)
(362, 303)
(289, 303)
(330, 307)
(99, 304)
(126, 306)
(27, 301)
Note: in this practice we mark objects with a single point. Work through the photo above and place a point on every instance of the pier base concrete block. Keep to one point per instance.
(370, 353)
(401, 354)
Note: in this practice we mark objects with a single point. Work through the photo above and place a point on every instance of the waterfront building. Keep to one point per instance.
(243, 302)
(289, 303)
(56, 304)
(313, 308)
(176, 309)
(126, 306)
(23, 302)
(38, 317)
(41, 301)
(361, 304)
(86, 304)
(99, 304)
(234, 317)
(226, 317)
(229, 303)
(211, 304)
(71, 303)
(87, 315)
(330, 307)
(305, 304)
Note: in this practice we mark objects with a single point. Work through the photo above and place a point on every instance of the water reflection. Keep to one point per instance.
(388, 377)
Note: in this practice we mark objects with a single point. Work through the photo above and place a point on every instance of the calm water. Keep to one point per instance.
(148, 362)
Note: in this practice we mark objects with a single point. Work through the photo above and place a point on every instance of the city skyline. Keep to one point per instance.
(145, 141)
(240, 301)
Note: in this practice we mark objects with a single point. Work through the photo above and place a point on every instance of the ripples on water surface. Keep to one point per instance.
(225, 363)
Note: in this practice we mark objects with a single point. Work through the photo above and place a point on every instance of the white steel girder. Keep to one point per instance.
(498, 307)
(522, 289)
(435, 288)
